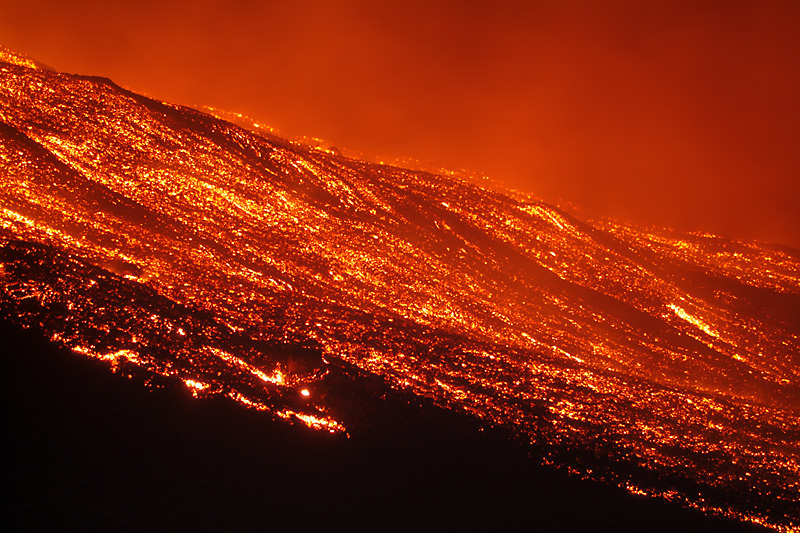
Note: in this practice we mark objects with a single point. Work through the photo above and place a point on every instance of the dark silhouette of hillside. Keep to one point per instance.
(88, 449)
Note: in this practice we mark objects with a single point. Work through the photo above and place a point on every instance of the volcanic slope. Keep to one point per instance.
(185, 249)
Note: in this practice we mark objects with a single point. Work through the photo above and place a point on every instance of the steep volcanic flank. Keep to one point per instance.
(183, 248)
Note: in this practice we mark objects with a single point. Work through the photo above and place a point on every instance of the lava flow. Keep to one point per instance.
(185, 249)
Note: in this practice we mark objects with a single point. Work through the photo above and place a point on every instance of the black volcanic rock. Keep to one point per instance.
(89, 449)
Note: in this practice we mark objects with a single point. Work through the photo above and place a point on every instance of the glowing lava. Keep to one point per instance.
(182, 247)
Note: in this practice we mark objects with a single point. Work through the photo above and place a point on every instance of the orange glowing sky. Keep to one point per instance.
(681, 113)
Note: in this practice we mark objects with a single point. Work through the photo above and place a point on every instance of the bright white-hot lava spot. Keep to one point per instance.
(181, 247)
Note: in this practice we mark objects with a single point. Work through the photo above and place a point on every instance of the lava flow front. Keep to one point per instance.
(185, 249)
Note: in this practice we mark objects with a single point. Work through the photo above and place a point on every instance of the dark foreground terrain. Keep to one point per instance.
(89, 449)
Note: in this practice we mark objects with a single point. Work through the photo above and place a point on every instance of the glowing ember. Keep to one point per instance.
(196, 386)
